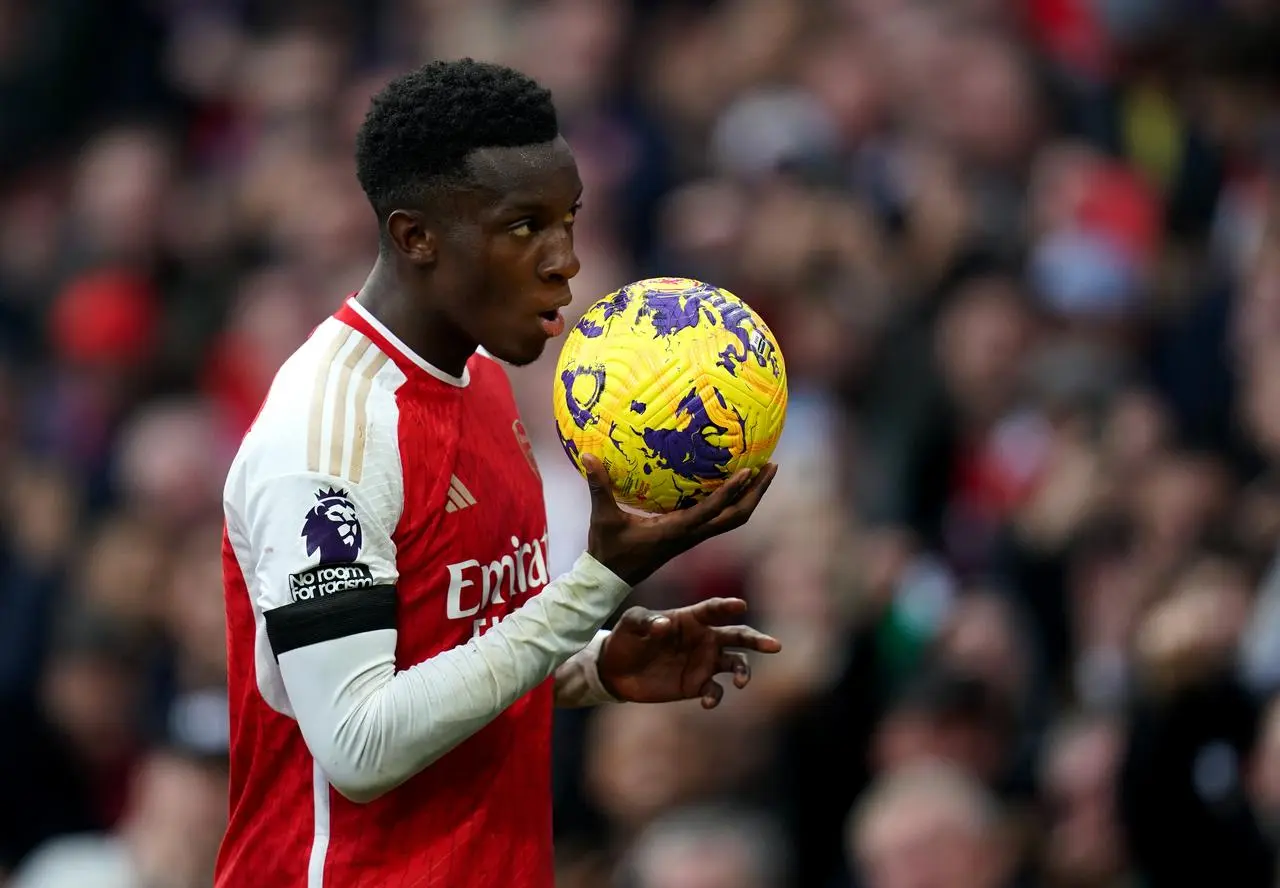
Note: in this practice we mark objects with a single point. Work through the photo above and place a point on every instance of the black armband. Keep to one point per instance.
(316, 620)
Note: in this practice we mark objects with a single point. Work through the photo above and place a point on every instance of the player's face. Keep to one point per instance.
(511, 302)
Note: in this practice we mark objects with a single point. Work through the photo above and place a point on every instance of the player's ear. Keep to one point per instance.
(412, 237)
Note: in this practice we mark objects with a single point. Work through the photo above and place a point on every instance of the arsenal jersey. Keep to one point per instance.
(375, 494)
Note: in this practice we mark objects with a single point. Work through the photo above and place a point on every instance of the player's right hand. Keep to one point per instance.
(634, 546)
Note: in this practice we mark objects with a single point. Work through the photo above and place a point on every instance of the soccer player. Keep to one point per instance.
(395, 644)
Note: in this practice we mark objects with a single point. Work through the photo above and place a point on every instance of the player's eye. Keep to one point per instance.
(523, 228)
(572, 216)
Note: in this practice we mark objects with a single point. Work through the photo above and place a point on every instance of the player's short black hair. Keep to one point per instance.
(422, 126)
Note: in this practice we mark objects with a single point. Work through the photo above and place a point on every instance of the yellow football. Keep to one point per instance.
(674, 385)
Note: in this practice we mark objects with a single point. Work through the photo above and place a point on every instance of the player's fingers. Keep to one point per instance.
(599, 485)
(748, 639)
(736, 662)
(755, 492)
(722, 498)
(660, 625)
(712, 692)
(642, 622)
(738, 513)
(718, 611)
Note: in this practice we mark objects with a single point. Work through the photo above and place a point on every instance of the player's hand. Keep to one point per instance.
(634, 546)
(662, 656)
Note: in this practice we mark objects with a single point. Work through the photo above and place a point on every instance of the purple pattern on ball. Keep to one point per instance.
(672, 312)
(687, 452)
(589, 328)
(582, 411)
(618, 303)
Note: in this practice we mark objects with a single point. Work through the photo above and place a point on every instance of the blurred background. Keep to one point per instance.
(1023, 258)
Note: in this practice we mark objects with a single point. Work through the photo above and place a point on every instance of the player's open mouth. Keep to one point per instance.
(552, 322)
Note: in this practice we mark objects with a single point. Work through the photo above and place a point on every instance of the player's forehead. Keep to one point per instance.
(526, 176)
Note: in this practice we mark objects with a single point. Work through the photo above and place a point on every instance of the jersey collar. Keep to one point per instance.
(353, 314)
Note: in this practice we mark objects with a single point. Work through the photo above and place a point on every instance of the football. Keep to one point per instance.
(674, 385)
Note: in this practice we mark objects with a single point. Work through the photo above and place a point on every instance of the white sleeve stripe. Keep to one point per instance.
(315, 422)
(338, 427)
(343, 385)
(320, 827)
(359, 432)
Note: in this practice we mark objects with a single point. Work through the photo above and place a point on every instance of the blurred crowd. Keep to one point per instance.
(1022, 257)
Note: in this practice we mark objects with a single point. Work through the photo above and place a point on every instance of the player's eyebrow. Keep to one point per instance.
(524, 206)
(533, 205)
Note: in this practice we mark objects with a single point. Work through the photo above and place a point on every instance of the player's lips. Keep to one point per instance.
(552, 320)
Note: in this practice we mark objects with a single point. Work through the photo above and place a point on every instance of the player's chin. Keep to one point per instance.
(519, 353)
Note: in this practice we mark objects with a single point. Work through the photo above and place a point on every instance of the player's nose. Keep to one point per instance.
(560, 263)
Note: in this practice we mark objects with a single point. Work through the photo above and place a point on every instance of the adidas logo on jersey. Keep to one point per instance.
(459, 497)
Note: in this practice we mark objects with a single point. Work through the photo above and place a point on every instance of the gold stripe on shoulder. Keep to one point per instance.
(364, 384)
(338, 426)
(315, 420)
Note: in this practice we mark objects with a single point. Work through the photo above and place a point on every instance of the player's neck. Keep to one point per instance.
(387, 299)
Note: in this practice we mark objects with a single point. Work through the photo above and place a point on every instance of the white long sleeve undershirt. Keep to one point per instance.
(371, 728)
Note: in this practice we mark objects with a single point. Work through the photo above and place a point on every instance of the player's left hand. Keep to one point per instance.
(663, 656)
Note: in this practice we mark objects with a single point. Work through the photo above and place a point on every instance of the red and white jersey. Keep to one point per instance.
(378, 505)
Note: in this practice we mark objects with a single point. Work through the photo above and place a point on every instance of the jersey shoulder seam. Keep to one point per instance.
(325, 401)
